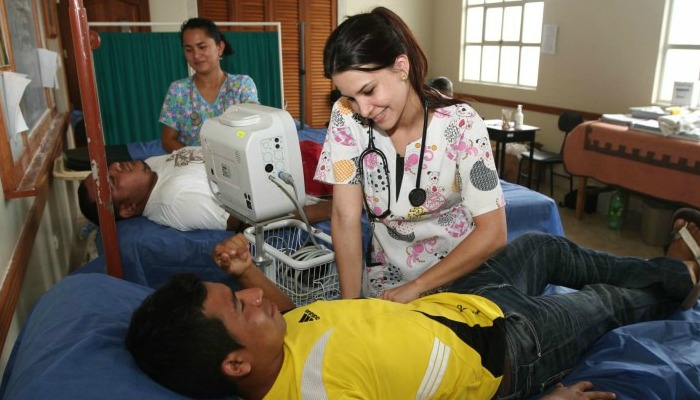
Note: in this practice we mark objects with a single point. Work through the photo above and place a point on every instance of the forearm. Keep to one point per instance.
(489, 236)
(347, 245)
(233, 224)
(171, 145)
(253, 277)
(232, 255)
(169, 139)
(318, 212)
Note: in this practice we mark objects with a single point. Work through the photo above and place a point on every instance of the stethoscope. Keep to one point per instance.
(417, 195)
(195, 116)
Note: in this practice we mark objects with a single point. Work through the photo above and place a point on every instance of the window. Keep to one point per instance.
(502, 41)
(680, 60)
(26, 149)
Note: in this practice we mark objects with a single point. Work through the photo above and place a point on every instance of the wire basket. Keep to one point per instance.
(301, 270)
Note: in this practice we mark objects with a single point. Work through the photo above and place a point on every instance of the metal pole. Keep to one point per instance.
(93, 126)
(302, 76)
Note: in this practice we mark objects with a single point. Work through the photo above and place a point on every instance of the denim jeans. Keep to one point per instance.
(546, 334)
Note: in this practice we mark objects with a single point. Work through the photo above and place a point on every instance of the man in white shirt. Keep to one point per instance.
(171, 190)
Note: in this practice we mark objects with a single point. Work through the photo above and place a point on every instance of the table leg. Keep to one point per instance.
(496, 157)
(581, 196)
(532, 153)
(503, 159)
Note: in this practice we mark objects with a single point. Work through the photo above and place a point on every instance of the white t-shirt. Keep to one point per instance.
(181, 197)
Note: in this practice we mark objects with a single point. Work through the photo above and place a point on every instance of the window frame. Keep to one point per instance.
(663, 56)
(22, 174)
(499, 44)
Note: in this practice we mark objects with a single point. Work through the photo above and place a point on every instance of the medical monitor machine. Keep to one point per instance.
(246, 150)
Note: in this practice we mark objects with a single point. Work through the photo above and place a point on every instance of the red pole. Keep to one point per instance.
(93, 126)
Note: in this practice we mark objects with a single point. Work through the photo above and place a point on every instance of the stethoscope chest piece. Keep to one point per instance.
(417, 197)
(195, 116)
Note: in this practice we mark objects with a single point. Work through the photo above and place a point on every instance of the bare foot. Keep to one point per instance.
(679, 250)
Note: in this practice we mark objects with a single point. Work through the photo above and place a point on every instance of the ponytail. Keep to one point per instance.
(371, 42)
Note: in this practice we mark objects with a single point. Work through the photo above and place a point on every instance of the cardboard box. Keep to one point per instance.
(512, 163)
(510, 169)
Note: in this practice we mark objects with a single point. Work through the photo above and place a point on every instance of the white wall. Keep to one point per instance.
(54, 249)
(171, 11)
(418, 15)
(605, 59)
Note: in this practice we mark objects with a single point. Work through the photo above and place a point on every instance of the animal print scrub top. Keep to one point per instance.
(459, 176)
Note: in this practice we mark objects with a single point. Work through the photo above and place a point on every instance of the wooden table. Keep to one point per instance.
(502, 136)
(654, 165)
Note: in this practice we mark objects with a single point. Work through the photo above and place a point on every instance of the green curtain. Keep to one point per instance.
(133, 73)
(257, 54)
(134, 70)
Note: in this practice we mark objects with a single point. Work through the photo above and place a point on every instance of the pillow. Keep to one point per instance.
(151, 253)
(310, 154)
(72, 346)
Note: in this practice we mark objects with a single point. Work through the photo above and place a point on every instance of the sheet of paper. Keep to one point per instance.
(549, 39)
(14, 85)
(48, 65)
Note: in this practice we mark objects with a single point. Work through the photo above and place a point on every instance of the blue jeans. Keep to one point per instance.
(547, 334)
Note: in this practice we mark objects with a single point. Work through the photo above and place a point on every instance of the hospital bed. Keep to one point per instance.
(150, 252)
(72, 348)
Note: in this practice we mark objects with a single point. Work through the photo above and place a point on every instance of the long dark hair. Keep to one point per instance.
(211, 30)
(372, 41)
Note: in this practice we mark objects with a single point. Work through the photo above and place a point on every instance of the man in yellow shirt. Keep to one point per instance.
(496, 335)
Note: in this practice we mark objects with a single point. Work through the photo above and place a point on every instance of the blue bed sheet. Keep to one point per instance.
(71, 348)
(150, 253)
(143, 150)
(526, 210)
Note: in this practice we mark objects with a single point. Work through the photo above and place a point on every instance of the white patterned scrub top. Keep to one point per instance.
(459, 176)
(185, 110)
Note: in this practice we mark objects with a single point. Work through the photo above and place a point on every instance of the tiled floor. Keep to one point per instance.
(592, 231)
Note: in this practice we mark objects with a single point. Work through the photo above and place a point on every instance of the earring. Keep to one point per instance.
(403, 77)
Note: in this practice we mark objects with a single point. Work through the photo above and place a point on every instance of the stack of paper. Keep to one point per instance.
(646, 125)
(650, 112)
(638, 124)
(620, 119)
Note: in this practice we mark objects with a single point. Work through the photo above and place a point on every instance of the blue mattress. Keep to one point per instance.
(71, 348)
(150, 253)
(525, 209)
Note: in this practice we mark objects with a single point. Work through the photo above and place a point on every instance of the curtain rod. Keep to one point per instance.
(277, 25)
(126, 23)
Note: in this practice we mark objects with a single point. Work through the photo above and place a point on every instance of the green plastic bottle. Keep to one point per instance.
(616, 210)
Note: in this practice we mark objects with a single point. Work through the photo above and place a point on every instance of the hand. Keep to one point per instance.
(577, 391)
(233, 256)
(402, 294)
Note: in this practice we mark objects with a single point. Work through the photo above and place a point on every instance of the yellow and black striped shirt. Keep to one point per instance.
(443, 346)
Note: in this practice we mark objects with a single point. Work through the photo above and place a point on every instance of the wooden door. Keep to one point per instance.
(319, 18)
